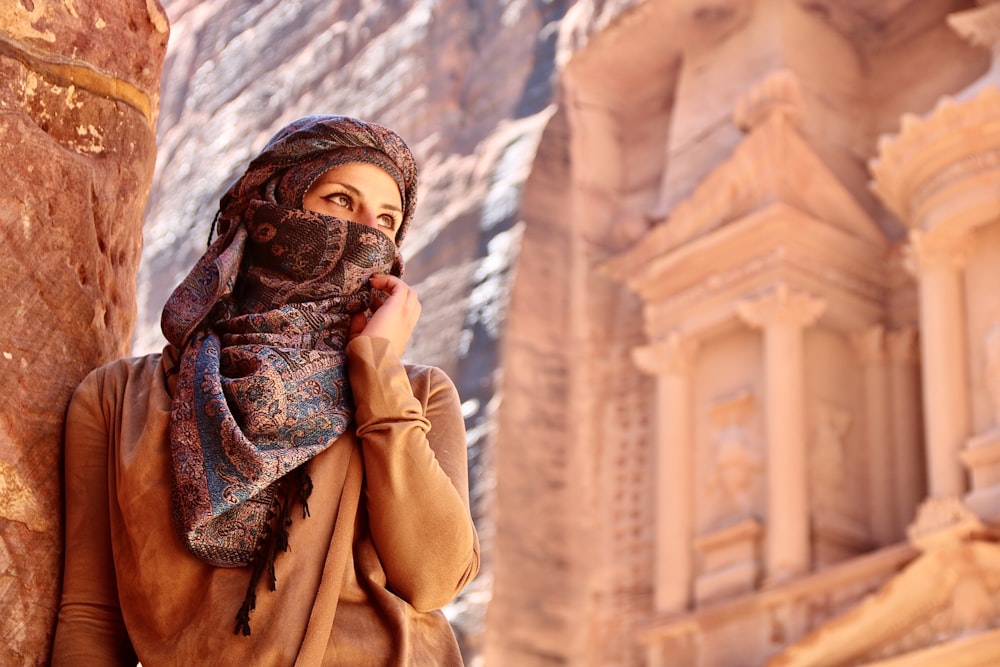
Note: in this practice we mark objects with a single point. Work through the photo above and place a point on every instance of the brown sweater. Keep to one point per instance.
(359, 591)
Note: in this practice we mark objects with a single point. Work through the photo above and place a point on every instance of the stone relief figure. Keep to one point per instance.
(736, 466)
(828, 463)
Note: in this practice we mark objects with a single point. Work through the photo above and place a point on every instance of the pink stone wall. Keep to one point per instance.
(78, 102)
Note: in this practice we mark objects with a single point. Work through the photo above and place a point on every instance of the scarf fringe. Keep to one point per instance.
(275, 541)
(305, 490)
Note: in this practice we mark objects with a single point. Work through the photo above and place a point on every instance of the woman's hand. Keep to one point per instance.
(395, 310)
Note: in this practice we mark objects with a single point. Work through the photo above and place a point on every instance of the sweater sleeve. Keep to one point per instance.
(90, 629)
(416, 476)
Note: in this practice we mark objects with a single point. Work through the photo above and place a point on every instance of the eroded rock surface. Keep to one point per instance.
(468, 84)
(78, 100)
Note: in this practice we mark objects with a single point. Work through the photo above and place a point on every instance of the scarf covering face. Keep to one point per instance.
(261, 323)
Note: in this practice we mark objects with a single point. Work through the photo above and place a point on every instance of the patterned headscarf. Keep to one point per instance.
(261, 323)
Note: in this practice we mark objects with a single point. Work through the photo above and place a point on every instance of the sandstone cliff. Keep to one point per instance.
(470, 85)
(79, 90)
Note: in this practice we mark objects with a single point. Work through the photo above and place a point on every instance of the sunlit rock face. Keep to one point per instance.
(79, 89)
(469, 85)
(634, 217)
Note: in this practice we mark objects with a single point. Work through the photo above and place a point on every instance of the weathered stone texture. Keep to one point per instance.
(78, 95)
(468, 84)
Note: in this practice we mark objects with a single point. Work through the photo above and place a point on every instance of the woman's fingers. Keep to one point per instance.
(358, 323)
(388, 283)
(394, 313)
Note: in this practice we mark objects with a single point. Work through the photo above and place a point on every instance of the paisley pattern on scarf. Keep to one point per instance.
(262, 322)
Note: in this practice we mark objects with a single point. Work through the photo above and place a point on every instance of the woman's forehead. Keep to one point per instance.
(297, 179)
(370, 179)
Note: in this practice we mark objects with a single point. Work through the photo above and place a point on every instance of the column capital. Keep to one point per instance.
(781, 306)
(926, 251)
(901, 346)
(870, 345)
(671, 355)
(939, 171)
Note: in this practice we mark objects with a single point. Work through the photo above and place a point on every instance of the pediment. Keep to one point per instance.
(773, 165)
(949, 595)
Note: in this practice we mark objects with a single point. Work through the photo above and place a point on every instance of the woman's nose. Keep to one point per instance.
(366, 217)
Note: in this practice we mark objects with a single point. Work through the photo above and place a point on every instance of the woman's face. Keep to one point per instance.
(359, 192)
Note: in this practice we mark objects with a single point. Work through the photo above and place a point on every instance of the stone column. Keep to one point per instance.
(782, 315)
(904, 392)
(670, 361)
(939, 175)
(870, 345)
(937, 260)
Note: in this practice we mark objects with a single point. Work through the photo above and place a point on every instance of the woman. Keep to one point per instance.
(276, 487)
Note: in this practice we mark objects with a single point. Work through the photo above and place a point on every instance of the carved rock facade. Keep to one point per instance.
(767, 381)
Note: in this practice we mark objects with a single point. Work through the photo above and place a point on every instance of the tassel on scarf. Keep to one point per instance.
(305, 490)
(275, 541)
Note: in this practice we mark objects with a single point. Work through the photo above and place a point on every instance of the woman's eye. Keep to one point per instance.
(340, 199)
(387, 221)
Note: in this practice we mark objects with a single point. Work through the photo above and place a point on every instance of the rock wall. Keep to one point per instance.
(79, 90)
(470, 85)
